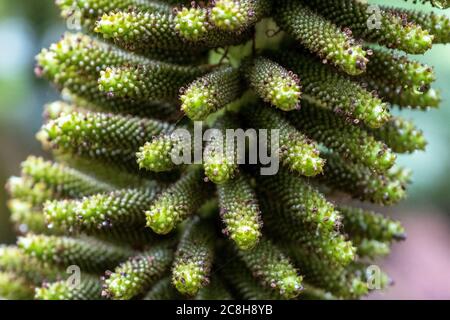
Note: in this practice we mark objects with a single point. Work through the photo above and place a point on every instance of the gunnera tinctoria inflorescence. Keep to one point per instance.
(114, 205)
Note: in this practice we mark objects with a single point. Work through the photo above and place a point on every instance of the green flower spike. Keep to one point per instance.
(296, 151)
(137, 275)
(176, 203)
(240, 212)
(88, 254)
(61, 179)
(274, 84)
(236, 15)
(273, 269)
(401, 135)
(350, 142)
(89, 288)
(362, 183)
(335, 92)
(193, 258)
(320, 36)
(14, 287)
(211, 92)
(385, 28)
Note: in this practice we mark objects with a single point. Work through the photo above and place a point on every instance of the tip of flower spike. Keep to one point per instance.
(53, 291)
(304, 159)
(117, 82)
(191, 23)
(195, 102)
(417, 41)
(228, 15)
(187, 278)
(117, 24)
(119, 285)
(161, 217)
(219, 170)
(353, 61)
(156, 155)
(47, 64)
(60, 212)
(291, 286)
(285, 93)
(359, 288)
(246, 236)
(37, 246)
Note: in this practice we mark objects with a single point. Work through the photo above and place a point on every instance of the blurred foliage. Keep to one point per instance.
(28, 25)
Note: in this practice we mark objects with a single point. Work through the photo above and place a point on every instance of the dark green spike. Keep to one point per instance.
(295, 150)
(178, 202)
(211, 92)
(88, 254)
(374, 24)
(349, 141)
(193, 258)
(273, 83)
(214, 291)
(273, 269)
(320, 36)
(335, 92)
(360, 223)
(240, 212)
(401, 135)
(137, 275)
(89, 288)
(163, 290)
(364, 184)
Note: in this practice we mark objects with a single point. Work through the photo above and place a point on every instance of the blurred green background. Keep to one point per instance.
(28, 25)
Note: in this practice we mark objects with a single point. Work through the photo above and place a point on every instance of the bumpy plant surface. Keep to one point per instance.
(113, 205)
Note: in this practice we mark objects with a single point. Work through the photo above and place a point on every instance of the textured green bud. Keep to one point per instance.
(273, 269)
(86, 12)
(401, 135)
(338, 280)
(302, 201)
(14, 287)
(62, 180)
(349, 141)
(372, 249)
(220, 161)
(236, 15)
(28, 191)
(437, 24)
(361, 223)
(187, 28)
(211, 92)
(156, 155)
(214, 291)
(320, 36)
(296, 151)
(27, 218)
(288, 225)
(240, 213)
(335, 92)
(385, 28)
(106, 137)
(89, 288)
(362, 183)
(177, 202)
(88, 254)
(273, 83)
(397, 70)
(13, 260)
(163, 290)
(137, 275)
(151, 81)
(246, 285)
(441, 4)
(191, 23)
(193, 259)
(119, 208)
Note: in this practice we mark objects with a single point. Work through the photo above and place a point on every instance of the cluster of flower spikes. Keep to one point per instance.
(139, 225)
